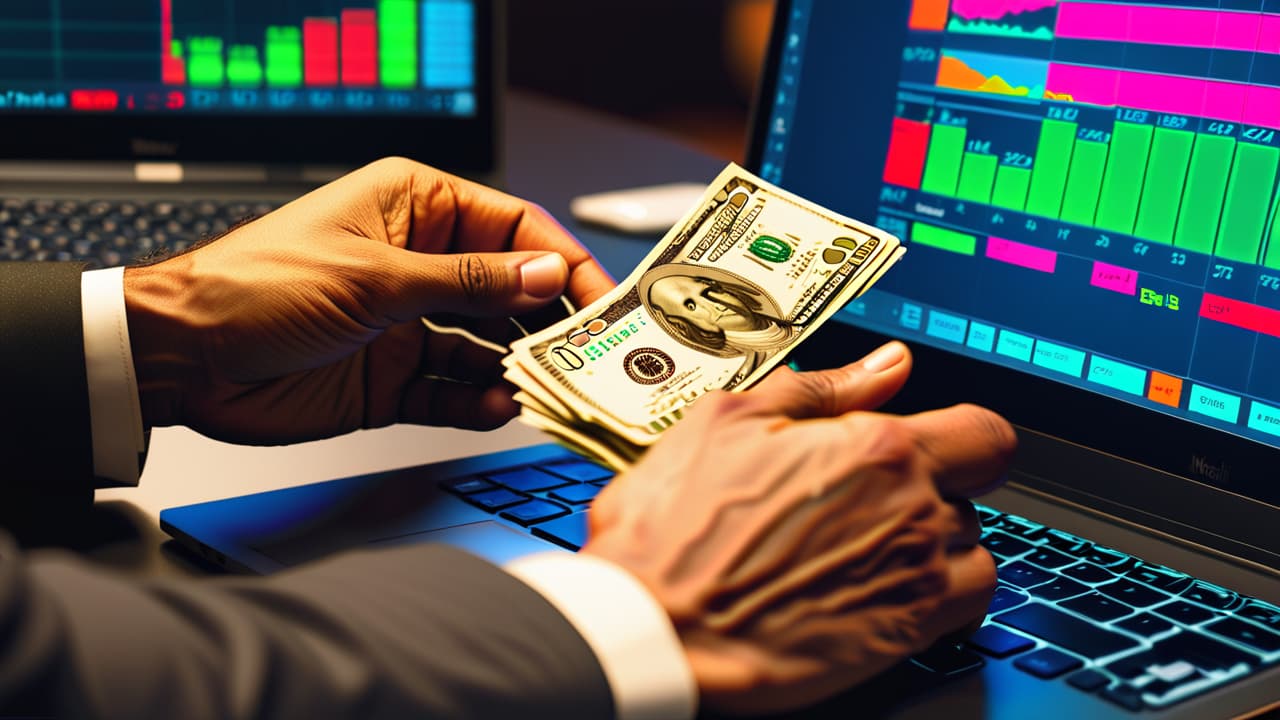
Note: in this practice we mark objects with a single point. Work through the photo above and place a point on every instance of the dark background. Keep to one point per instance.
(685, 67)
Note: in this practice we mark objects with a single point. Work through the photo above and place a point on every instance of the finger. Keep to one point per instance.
(863, 385)
(450, 213)
(971, 582)
(475, 284)
(469, 407)
(967, 448)
(963, 527)
(454, 357)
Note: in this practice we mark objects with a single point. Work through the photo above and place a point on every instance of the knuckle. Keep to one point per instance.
(476, 279)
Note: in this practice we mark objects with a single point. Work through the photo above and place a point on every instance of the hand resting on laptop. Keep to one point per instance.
(798, 541)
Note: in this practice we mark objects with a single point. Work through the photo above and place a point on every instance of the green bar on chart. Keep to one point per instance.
(1272, 259)
(284, 57)
(1244, 216)
(977, 177)
(1011, 187)
(1084, 182)
(244, 69)
(1049, 174)
(398, 44)
(943, 239)
(1206, 187)
(1122, 183)
(205, 68)
(1166, 179)
(946, 152)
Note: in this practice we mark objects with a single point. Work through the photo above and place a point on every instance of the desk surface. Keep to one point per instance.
(553, 153)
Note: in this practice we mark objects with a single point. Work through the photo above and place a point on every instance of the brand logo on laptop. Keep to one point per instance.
(153, 148)
(1204, 468)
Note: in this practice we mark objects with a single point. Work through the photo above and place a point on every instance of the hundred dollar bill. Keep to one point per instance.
(748, 274)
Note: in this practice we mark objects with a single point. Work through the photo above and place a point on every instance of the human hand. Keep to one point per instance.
(305, 323)
(801, 544)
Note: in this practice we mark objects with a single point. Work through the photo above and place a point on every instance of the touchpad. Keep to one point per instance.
(493, 541)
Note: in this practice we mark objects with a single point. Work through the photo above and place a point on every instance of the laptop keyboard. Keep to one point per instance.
(108, 233)
(1066, 610)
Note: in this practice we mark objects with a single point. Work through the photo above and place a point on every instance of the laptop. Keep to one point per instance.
(143, 125)
(1091, 224)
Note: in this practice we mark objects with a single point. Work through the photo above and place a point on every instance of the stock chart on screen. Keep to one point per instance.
(1102, 177)
(292, 56)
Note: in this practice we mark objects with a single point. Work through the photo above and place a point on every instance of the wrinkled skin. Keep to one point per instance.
(802, 544)
(304, 323)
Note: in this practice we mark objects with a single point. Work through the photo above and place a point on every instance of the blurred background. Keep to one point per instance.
(685, 67)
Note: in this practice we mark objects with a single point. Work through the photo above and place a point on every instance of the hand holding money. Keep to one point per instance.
(749, 273)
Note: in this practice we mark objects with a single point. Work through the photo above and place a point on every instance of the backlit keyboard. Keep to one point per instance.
(1065, 609)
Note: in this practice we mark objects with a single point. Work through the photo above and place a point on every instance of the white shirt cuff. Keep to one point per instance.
(115, 417)
(629, 632)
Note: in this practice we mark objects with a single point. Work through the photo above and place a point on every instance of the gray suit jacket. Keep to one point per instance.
(419, 631)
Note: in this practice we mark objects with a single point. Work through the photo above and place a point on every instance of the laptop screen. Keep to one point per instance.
(333, 57)
(1088, 188)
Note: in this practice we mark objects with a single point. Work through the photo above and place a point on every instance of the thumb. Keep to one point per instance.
(863, 385)
(485, 284)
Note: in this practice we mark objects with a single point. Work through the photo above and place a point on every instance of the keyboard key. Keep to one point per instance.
(986, 515)
(1047, 663)
(1088, 680)
(1183, 612)
(1201, 651)
(467, 485)
(1005, 597)
(1097, 606)
(576, 494)
(569, 531)
(948, 660)
(495, 500)
(1127, 697)
(580, 471)
(1145, 624)
(1261, 613)
(534, 511)
(1048, 558)
(1211, 595)
(1132, 593)
(1019, 527)
(1133, 666)
(1022, 574)
(998, 642)
(1003, 545)
(527, 479)
(1108, 558)
(1159, 576)
(1067, 543)
(1079, 636)
(1087, 572)
(1059, 588)
(1246, 634)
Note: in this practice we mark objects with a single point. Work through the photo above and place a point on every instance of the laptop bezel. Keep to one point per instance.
(1133, 463)
(465, 144)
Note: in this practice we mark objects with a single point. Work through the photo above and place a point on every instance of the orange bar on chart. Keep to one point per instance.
(1165, 389)
(929, 14)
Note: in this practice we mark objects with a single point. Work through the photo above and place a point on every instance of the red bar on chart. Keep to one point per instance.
(320, 51)
(929, 14)
(908, 146)
(1241, 314)
(359, 47)
(173, 69)
(94, 100)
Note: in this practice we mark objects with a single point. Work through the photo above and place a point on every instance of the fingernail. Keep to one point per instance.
(885, 357)
(544, 276)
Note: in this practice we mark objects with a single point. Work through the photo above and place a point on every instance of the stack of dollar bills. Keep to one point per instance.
(750, 272)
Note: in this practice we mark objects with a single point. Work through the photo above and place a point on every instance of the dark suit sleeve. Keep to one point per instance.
(420, 631)
(46, 475)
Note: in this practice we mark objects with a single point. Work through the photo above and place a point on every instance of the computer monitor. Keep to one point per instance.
(246, 79)
(1089, 193)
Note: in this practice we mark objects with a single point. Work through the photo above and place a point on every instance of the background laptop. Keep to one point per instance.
(1047, 280)
(132, 125)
